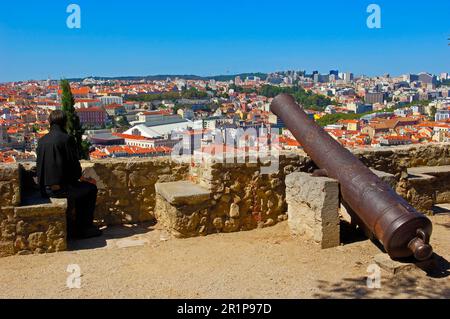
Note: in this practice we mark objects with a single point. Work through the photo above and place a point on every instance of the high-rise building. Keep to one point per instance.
(426, 78)
(348, 77)
(335, 73)
(374, 97)
(359, 108)
(108, 100)
(410, 78)
(316, 77)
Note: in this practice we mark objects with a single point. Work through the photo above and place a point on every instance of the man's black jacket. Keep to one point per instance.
(57, 159)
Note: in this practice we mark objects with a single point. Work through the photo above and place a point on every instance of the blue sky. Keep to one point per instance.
(202, 37)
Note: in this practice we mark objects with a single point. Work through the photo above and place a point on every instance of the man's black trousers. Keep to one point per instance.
(82, 197)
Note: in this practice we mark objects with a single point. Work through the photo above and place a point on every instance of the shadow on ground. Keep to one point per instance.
(350, 234)
(109, 233)
(438, 209)
(407, 285)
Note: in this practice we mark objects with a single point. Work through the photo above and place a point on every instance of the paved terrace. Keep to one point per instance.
(145, 262)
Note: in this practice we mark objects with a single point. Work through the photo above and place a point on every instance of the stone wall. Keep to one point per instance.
(243, 198)
(127, 187)
(424, 187)
(9, 185)
(395, 160)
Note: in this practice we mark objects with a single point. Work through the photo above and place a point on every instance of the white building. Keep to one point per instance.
(419, 109)
(442, 115)
(86, 103)
(348, 77)
(330, 109)
(405, 112)
(153, 118)
(186, 113)
(107, 100)
(50, 106)
(158, 130)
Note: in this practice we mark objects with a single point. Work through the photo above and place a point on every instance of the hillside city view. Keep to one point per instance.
(148, 116)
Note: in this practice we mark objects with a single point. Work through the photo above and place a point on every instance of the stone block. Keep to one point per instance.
(182, 208)
(386, 177)
(313, 204)
(182, 193)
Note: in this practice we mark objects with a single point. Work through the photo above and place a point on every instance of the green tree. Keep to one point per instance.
(433, 112)
(307, 99)
(193, 93)
(123, 121)
(73, 127)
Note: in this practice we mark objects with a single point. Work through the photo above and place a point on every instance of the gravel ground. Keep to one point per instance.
(266, 263)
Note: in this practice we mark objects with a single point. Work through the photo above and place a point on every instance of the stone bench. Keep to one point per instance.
(28, 222)
(427, 186)
(182, 208)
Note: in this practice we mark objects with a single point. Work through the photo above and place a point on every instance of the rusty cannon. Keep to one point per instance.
(402, 230)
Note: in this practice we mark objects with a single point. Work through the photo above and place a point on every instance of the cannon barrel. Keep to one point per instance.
(402, 230)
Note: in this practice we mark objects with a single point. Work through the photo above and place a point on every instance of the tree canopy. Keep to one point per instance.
(73, 127)
(307, 99)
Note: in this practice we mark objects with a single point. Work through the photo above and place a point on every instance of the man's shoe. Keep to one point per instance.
(89, 232)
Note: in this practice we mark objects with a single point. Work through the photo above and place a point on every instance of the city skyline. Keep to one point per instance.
(213, 39)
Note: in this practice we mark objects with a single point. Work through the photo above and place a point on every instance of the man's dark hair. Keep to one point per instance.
(58, 118)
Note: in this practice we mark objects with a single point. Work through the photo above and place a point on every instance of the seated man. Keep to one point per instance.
(59, 174)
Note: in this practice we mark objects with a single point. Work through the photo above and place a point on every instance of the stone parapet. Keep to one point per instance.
(426, 186)
(127, 187)
(10, 185)
(242, 190)
(242, 197)
(395, 160)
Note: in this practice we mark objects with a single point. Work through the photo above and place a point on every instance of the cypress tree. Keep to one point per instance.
(73, 127)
